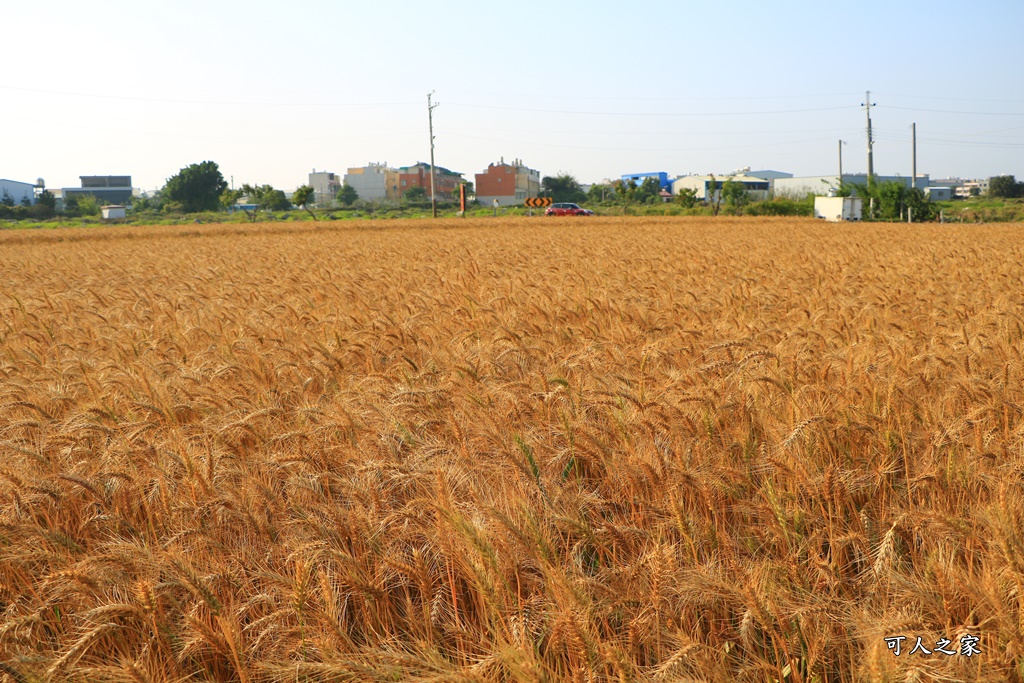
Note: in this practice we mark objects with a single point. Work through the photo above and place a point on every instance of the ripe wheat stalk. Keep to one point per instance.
(509, 450)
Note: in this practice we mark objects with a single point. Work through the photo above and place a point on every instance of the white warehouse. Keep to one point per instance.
(757, 188)
(19, 193)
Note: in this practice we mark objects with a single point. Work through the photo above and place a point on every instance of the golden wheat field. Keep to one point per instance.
(510, 451)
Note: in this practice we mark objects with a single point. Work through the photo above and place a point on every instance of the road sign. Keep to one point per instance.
(538, 201)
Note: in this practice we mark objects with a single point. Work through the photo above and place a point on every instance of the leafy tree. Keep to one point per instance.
(267, 197)
(302, 196)
(734, 194)
(196, 188)
(1005, 186)
(626, 192)
(600, 193)
(276, 200)
(229, 198)
(563, 188)
(47, 199)
(714, 196)
(81, 205)
(415, 194)
(918, 205)
(7, 199)
(686, 197)
(88, 205)
(45, 206)
(347, 195)
(892, 197)
(649, 190)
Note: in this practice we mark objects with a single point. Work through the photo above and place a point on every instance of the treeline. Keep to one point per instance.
(45, 207)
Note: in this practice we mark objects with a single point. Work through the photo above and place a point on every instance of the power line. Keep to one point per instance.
(535, 143)
(951, 99)
(164, 100)
(647, 114)
(951, 111)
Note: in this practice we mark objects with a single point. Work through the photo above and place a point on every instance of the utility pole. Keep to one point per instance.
(840, 162)
(430, 118)
(913, 169)
(871, 157)
(913, 128)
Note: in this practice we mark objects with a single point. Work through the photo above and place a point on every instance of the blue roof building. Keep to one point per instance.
(639, 178)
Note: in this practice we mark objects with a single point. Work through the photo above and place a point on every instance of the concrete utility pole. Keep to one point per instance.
(913, 168)
(430, 118)
(871, 141)
(913, 136)
(840, 162)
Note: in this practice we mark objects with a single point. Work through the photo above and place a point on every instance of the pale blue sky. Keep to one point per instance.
(271, 90)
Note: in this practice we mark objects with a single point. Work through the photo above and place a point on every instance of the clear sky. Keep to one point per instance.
(271, 90)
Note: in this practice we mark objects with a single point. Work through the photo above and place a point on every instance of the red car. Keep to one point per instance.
(567, 209)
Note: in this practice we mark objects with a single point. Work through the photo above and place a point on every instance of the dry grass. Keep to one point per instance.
(605, 450)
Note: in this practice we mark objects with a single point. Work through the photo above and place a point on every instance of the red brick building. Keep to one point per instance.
(510, 184)
(446, 183)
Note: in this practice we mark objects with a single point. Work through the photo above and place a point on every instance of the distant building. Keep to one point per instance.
(757, 188)
(111, 189)
(836, 209)
(825, 185)
(418, 175)
(639, 178)
(374, 181)
(770, 176)
(938, 193)
(973, 188)
(19, 193)
(508, 184)
(114, 212)
(325, 186)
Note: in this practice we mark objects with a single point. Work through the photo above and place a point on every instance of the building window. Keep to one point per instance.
(403, 183)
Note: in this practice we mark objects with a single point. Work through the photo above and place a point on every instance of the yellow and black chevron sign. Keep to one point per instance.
(538, 201)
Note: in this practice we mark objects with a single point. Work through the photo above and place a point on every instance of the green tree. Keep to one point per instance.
(229, 198)
(626, 192)
(302, 197)
(266, 197)
(47, 199)
(415, 195)
(275, 200)
(196, 188)
(888, 199)
(892, 197)
(734, 194)
(1005, 186)
(7, 199)
(714, 196)
(918, 205)
(686, 197)
(649, 190)
(77, 204)
(600, 193)
(347, 195)
(563, 188)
